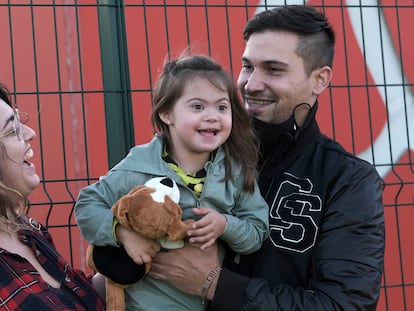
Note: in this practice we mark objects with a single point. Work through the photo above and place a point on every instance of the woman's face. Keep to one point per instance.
(16, 170)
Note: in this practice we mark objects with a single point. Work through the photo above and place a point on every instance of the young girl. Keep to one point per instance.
(204, 142)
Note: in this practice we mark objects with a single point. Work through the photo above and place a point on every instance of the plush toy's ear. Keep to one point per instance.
(177, 229)
(173, 208)
(136, 199)
(121, 208)
(120, 211)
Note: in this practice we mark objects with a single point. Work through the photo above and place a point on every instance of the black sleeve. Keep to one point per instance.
(230, 291)
(114, 263)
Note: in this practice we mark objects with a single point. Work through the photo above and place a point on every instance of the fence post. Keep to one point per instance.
(116, 82)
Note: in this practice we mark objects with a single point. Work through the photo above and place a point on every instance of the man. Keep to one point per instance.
(326, 236)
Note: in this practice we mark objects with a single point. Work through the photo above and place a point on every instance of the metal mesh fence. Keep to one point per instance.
(84, 71)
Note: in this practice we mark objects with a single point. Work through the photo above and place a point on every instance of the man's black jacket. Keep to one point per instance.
(326, 245)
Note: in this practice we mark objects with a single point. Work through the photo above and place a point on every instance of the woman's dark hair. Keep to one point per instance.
(10, 199)
(316, 44)
(5, 95)
(241, 145)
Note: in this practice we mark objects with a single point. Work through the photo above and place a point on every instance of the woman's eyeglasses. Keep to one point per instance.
(19, 119)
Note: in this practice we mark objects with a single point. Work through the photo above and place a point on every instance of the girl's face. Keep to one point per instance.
(16, 170)
(200, 120)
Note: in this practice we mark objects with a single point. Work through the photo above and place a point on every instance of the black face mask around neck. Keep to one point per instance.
(270, 134)
(268, 131)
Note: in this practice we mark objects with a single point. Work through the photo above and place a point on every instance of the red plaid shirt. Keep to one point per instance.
(22, 287)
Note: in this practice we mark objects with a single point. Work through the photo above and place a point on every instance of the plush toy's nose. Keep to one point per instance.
(167, 182)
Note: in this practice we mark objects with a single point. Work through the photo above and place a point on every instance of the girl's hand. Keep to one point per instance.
(208, 229)
(139, 248)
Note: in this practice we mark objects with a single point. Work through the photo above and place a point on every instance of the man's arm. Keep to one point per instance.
(345, 273)
(187, 268)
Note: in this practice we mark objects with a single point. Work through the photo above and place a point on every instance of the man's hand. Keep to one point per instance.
(187, 268)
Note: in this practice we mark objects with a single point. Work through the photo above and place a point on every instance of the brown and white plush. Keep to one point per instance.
(152, 210)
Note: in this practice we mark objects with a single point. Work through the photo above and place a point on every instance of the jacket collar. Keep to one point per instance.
(279, 142)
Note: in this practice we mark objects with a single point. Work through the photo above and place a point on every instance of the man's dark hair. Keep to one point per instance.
(316, 35)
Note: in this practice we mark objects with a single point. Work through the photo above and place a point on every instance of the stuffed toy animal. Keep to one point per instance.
(151, 210)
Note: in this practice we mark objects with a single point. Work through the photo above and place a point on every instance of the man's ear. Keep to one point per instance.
(321, 78)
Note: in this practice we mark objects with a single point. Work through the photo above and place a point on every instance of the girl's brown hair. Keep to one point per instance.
(241, 146)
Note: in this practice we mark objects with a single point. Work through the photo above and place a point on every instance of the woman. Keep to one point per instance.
(33, 275)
